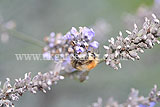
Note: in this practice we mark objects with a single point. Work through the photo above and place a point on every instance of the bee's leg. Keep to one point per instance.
(98, 50)
(83, 75)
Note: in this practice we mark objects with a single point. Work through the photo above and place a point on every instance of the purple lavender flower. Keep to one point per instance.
(94, 44)
(51, 45)
(52, 34)
(79, 49)
(52, 39)
(73, 31)
(88, 33)
(47, 55)
(68, 36)
(81, 40)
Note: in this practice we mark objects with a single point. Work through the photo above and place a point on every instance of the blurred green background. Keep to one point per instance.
(38, 18)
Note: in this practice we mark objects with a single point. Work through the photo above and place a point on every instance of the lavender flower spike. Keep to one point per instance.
(78, 47)
(134, 100)
(136, 41)
(40, 82)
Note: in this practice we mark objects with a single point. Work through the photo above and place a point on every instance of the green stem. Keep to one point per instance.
(26, 38)
(100, 61)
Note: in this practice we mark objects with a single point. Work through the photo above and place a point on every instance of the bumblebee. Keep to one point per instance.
(84, 61)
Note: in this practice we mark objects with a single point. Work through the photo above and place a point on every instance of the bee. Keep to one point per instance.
(85, 61)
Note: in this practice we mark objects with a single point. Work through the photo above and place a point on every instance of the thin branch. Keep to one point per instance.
(26, 38)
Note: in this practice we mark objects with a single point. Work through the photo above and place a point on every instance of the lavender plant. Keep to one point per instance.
(135, 42)
(134, 100)
(40, 82)
(79, 54)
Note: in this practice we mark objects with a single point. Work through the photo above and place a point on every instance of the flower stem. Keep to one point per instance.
(101, 60)
(26, 38)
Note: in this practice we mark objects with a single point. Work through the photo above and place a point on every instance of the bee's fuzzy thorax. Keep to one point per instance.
(87, 64)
